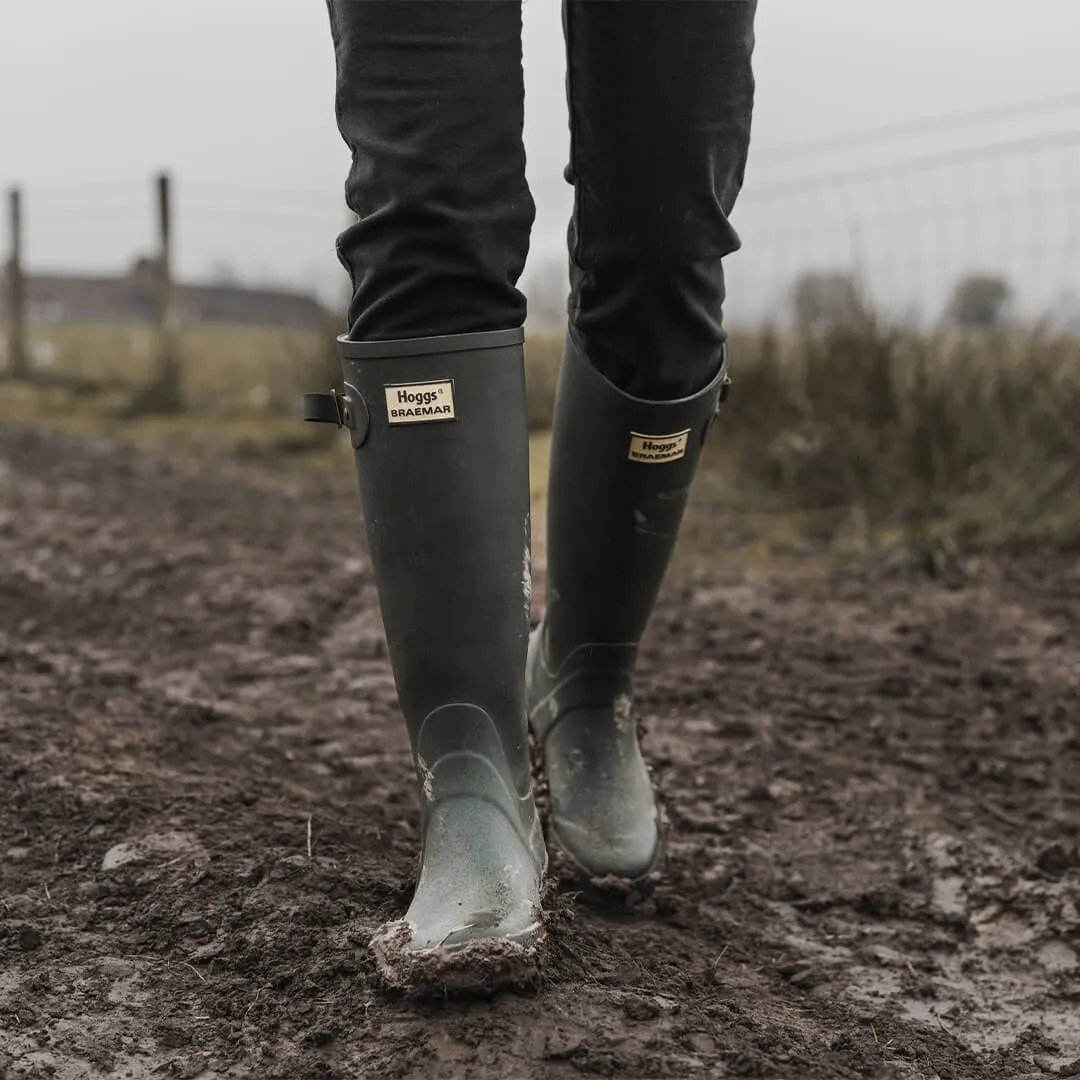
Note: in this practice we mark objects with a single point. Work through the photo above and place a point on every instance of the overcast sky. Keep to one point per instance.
(235, 98)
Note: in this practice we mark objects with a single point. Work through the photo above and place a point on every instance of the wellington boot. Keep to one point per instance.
(439, 429)
(621, 470)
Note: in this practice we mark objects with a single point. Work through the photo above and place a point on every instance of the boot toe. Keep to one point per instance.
(443, 922)
(606, 852)
(475, 917)
(603, 810)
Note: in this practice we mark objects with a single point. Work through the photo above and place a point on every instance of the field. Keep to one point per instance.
(862, 691)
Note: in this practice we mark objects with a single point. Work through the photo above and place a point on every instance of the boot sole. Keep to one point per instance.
(478, 967)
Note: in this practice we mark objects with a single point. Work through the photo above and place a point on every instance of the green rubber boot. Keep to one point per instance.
(442, 455)
(621, 470)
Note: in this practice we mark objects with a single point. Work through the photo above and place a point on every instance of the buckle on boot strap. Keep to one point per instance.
(344, 410)
(325, 408)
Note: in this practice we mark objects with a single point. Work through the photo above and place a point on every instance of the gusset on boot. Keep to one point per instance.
(439, 430)
(621, 472)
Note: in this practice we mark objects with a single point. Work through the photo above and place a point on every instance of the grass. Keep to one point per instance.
(969, 438)
(228, 370)
(863, 434)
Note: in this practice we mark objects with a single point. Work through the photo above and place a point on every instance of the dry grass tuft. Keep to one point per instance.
(973, 435)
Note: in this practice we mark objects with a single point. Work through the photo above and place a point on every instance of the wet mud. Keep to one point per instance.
(872, 785)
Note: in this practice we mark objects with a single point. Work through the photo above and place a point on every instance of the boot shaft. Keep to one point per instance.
(621, 472)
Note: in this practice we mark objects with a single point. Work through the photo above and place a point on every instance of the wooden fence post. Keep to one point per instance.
(164, 392)
(18, 355)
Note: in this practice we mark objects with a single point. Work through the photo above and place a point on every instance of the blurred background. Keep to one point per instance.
(905, 310)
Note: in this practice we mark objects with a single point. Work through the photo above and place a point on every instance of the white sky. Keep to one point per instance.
(235, 97)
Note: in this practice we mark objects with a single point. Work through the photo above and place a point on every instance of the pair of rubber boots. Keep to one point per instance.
(440, 434)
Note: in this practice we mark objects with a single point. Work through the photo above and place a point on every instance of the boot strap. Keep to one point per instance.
(725, 389)
(325, 408)
(344, 410)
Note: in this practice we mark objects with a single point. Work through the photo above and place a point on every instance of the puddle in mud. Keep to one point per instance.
(948, 895)
(988, 992)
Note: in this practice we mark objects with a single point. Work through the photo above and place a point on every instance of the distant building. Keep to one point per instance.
(67, 298)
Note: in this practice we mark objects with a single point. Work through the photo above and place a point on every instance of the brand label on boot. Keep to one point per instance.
(420, 403)
(658, 447)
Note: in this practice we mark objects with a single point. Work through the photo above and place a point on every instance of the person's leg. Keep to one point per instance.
(660, 97)
(430, 100)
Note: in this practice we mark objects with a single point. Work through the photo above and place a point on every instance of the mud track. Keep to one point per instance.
(873, 787)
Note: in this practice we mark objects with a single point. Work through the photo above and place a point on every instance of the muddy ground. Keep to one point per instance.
(873, 783)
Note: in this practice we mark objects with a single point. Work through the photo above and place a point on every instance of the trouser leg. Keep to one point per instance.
(430, 100)
(660, 94)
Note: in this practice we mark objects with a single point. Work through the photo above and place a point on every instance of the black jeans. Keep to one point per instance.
(430, 100)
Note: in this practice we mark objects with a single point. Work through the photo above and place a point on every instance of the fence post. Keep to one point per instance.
(18, 356)
(163, 393)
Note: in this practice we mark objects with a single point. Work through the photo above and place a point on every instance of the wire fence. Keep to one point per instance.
(908, 209)
(910, 229)
(281, 239)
